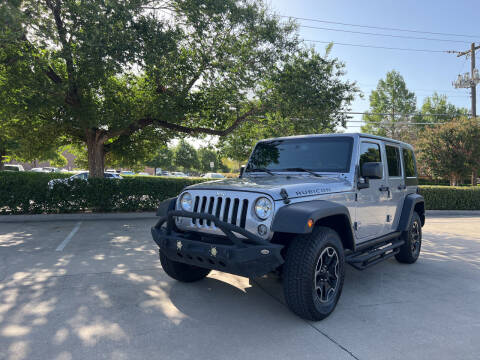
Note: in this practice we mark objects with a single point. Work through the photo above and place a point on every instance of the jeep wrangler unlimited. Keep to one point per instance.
(304, 206)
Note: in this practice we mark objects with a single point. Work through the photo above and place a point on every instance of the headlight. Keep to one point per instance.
(186, 202)
(263, 208)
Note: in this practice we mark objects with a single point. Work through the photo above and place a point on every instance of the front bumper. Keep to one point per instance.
(250, 257)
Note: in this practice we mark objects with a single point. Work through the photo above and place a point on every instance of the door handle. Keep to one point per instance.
(384, 188)
(402, 187)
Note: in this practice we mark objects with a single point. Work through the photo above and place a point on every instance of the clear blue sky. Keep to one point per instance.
(424, 73)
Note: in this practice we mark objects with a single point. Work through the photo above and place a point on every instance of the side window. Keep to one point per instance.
(409, 162)
(393, 161)
(369, 152)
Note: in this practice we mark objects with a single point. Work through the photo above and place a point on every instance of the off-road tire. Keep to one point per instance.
(182, 272)
(300, 273)
(410, 251)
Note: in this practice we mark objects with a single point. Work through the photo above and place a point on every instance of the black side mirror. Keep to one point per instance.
(372, 170)
(242, 170)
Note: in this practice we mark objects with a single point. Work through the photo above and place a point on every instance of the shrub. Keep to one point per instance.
(451, 197)
(28, 193)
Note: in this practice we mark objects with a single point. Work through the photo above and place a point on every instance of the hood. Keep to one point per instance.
(294, 185)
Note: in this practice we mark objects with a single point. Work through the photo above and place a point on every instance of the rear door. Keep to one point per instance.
(372, 202)
(396, 185)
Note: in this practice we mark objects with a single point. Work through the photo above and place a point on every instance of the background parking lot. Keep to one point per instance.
(100, 292)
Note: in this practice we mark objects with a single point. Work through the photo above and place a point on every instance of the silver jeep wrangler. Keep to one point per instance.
(304, 206)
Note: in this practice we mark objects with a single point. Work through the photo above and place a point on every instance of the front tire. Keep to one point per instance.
(314, 272)
(182, 272)
(410, 251)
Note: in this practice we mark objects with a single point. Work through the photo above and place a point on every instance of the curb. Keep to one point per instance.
(454, 212)
(76, 217)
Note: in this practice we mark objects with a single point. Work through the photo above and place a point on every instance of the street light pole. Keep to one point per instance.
(474, 85)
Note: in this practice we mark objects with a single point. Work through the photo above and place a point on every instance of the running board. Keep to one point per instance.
(365, 258)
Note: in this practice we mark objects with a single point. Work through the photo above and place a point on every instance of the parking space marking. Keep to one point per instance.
(69, 237)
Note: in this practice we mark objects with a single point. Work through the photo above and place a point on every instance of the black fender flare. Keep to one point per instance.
(409, 204)
(293, 218)
(166, 206)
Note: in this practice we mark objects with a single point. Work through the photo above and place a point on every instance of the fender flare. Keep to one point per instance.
(293, 218)
(409, 204)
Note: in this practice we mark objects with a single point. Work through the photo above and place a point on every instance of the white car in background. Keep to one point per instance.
(81, 176)
(178, 174)
(213, 176)
(11, 167)
(37, 170)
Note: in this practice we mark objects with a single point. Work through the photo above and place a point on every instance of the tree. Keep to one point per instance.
(108, 74)
(207, 156)
(162, 160)
(393, 99)
(439, 105)
(451, 150)
(185, 156)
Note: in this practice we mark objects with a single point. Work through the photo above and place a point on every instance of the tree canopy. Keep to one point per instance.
(395, 102)
(121, 78)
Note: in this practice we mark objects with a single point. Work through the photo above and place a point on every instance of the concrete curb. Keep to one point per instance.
(454, 212)
(76, 217)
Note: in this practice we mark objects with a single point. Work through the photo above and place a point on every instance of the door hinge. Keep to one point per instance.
(388, 218)
(355, 226)
(356, 196)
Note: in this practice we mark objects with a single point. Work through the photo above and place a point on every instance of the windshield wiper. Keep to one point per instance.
(262, 170)
(304, 170)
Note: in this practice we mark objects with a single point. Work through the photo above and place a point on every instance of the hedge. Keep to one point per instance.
(451, 197)
(28, 193)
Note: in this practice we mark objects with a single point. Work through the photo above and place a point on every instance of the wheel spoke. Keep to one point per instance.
(326, 274)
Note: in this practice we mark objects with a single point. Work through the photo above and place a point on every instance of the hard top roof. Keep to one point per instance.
(353, 135)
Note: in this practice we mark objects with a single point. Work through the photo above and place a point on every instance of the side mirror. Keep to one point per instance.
(242, 170)
(372, 170)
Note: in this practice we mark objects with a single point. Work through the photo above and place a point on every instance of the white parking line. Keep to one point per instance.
(69, 237)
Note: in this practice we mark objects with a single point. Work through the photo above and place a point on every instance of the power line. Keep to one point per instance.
(379, 47)
(380, 27)
(387, 35)
(387, 114)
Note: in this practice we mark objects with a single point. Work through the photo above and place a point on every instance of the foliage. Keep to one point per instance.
(451, 150)
(163, 159)
(121, 77)
(438, 104)
(28, 193)
(185, 156)
(451, 198)
(393, 98)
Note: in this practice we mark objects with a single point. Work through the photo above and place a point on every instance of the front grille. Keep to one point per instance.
(232, 210)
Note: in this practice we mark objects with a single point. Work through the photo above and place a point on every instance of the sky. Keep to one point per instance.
(423, 72)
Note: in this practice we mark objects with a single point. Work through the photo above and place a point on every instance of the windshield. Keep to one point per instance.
(321, 154)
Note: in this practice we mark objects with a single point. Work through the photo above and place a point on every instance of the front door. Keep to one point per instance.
(371, 214)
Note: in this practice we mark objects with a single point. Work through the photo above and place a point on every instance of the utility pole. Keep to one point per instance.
(469, 80)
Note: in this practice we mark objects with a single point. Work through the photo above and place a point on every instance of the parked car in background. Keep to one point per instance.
(37, 170)
(164, 173)
(127, 172)
(213, 176)
(178, 174)
(11, 167)
(50, 169)
(80, 176)
(143, 174)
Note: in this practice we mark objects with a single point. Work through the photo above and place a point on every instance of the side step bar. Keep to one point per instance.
(379, 251)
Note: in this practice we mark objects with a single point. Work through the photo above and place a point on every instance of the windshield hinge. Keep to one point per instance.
(284, 195)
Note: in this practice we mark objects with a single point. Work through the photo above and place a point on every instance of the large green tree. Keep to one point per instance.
(185, 156)
(451, 150)
(119, 76)
(436, 109)
(391, 107)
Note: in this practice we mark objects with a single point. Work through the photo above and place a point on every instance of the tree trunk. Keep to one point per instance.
(96, 152)
(474, 177)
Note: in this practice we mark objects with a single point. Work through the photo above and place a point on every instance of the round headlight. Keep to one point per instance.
(186, 202)
(263, 208)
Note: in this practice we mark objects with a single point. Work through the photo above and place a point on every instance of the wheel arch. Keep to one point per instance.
(293, 219)
(413, 202)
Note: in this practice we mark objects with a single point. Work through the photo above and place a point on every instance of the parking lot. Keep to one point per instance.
(100, 293)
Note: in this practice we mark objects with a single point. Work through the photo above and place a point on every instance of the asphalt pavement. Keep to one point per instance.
(96, 290)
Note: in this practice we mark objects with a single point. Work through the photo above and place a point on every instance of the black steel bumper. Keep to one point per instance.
(249, 257)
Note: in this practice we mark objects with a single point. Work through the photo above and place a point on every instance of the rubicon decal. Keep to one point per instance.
(312, 191)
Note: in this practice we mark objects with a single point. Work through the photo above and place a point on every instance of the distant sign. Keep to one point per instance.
(212, 165)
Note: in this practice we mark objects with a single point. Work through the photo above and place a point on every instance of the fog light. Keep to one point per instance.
(262, 230)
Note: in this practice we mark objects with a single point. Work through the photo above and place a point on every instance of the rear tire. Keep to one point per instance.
(314, 272)
(410, 251)
(182, 272)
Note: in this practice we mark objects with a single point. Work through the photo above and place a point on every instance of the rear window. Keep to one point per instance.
(409, 162)
(393, 161)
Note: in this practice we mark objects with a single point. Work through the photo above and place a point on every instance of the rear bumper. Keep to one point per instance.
(250, 257)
